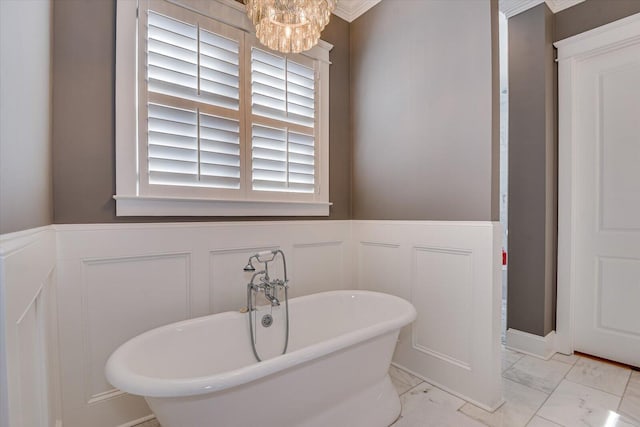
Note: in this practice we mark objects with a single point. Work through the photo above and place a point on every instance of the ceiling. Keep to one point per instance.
(351, 9)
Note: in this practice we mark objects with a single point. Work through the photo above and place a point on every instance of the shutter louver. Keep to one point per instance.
(186, 146)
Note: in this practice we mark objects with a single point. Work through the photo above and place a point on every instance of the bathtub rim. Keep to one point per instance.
(120, 376)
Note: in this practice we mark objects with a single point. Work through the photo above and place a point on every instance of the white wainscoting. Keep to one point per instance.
(116, 281)
(29, 374)
(79, 291)
(450, 271)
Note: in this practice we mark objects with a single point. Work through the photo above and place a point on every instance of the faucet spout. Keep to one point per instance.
(273, 300)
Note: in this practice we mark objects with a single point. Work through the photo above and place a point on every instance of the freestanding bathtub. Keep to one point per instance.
(202, 372)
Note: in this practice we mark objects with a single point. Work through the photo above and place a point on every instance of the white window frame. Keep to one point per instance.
(130, 197)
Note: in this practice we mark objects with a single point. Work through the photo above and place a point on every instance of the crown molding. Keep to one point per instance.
(558, 5)
(351, 9)
(513, 7)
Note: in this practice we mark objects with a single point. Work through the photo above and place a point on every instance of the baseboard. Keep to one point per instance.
(531, 344)
(451, 391)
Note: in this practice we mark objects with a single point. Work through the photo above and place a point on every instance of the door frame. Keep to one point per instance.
(571, 51)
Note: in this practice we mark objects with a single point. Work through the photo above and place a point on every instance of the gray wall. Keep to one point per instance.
(425, 142)
(25, 115)
(532, 172)
(83, 119)
(533, 153)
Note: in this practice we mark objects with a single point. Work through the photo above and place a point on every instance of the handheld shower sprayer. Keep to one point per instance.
(269, 287)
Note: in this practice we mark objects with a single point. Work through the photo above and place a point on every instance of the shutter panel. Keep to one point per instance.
(300, 94)
(301, 162)
(188, 146)
(172, 145)
(268, 85)
(269, 158)
(284, 91)
(172, 57)
(282, 160)
(219, 152)
(219, 70)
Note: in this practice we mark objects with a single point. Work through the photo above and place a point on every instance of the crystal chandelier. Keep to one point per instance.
(289, 25)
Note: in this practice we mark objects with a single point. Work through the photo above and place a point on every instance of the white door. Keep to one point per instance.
(606, 197)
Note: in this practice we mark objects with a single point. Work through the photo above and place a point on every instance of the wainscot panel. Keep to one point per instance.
(450, 271)
(29, 375)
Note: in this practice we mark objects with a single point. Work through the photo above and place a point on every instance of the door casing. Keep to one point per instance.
(608, 37)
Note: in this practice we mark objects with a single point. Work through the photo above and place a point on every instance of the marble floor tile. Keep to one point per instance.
(573, 404)
(427, 393)
(430, 414)
(427, 405)
(402, 380)
(630, 405)
(520, 405)
(601, 375)
(541, 422)
(571, 359)
(509, 357)
(543, 375)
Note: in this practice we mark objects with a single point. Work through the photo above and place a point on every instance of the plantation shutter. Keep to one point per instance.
(193, 103)
(283, 99)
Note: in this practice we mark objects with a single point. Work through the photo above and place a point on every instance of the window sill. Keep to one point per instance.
(169, 206)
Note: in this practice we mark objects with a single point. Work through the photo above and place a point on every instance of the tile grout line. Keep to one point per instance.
(547, 419)
(626, 387)
(545, 401)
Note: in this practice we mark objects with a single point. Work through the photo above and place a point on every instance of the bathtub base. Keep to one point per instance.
(349, 388)
(378, 405)
(374, 406)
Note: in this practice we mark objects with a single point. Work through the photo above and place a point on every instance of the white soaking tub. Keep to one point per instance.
(202, 372)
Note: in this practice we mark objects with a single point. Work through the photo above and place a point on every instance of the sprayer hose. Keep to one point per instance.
(252, 337)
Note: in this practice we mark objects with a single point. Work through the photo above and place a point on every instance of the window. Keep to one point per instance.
(210, 122)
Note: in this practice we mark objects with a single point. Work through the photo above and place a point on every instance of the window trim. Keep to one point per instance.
(130, 201)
